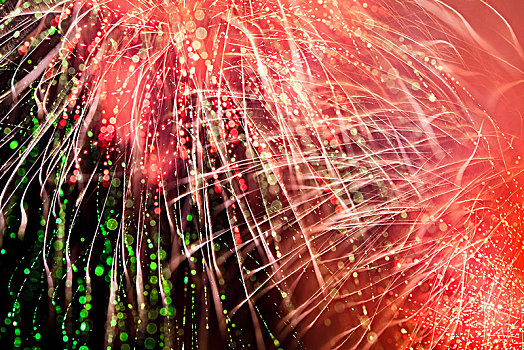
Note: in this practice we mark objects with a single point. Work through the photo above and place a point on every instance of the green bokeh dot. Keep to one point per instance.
(112, 224)
(99, 270)
(149, 343)
(151, 328)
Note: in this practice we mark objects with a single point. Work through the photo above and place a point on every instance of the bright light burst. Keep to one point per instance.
(280, 174)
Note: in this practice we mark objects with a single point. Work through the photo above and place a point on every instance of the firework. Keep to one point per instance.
(286, 174)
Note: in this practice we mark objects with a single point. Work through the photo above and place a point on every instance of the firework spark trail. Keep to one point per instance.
(220, 174)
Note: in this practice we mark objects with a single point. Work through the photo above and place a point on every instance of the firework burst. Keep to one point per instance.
(286, 174)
